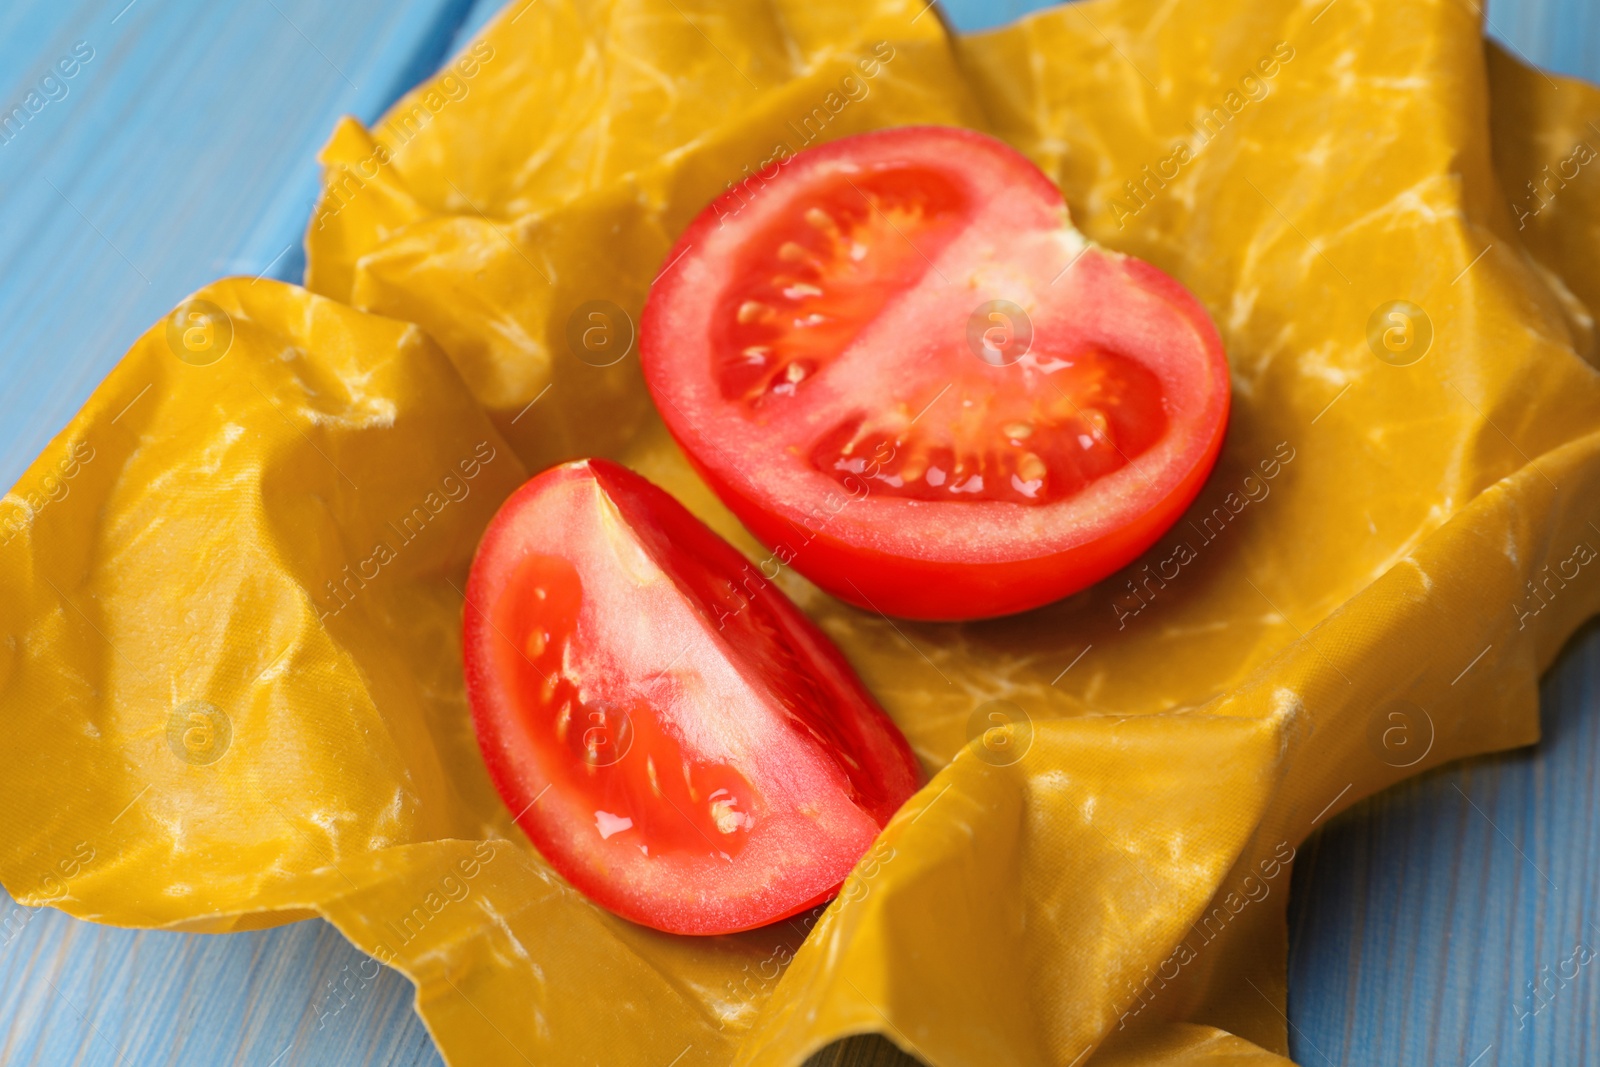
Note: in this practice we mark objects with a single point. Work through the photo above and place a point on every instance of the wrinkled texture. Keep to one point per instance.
(1116, 896)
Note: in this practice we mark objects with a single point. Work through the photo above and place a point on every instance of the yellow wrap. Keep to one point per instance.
(229, 591)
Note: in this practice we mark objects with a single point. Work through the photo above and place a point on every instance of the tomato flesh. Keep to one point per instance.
(672, 734)
(808, 283)
(1095, 413)
(832, 336)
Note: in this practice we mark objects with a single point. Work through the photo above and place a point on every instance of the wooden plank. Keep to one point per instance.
(1454, 916)
(71, 992)
(181, 149)
(1559, 35)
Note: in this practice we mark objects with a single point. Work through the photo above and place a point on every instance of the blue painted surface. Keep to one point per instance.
(1455, 919)
(1427, 924)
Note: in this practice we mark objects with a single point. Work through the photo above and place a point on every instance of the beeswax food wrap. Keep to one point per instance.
(230, 591)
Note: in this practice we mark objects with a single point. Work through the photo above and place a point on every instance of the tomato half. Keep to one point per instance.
(907, 373)
(674, 736)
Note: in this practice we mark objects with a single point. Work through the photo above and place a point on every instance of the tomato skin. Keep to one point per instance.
(595, 596)
(921, 558)
(940, 590)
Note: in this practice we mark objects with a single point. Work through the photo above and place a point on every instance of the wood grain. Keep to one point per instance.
(1427, 924)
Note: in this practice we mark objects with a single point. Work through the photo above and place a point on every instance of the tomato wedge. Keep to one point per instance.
(907, 373)
(674, 736)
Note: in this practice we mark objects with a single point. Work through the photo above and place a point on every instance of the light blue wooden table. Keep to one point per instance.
(1427, 924)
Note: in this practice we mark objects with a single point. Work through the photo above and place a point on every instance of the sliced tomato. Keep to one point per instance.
(674, 736)
(907, 373)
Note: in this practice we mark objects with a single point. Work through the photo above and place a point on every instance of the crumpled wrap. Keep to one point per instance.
(230, 590)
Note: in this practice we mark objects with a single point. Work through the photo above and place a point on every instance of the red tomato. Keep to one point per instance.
(678, 740)
(823, 343)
